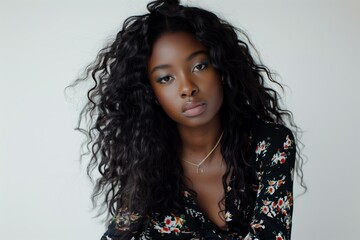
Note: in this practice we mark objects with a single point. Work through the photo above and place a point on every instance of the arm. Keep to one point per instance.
(274, 203)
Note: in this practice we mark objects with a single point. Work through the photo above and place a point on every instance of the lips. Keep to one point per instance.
(194, 108)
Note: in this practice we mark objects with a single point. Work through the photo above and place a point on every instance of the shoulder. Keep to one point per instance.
(263, 129)
(274, 144)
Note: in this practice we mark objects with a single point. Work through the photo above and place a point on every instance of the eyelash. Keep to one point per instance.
(204, 64)
(169, 78)
(160, 80)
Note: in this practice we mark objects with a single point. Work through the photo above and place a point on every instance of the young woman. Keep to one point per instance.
(189, 141)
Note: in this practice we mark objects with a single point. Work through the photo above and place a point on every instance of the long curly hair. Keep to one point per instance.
(133, 143)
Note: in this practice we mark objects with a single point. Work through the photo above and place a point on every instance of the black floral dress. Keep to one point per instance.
(274, 156)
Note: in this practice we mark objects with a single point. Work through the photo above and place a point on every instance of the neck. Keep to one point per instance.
(198, 142)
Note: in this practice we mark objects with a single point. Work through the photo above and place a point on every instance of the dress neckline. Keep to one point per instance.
(201, 214)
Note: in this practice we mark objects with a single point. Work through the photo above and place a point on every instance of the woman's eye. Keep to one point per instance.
(164, 79)
(200, 66)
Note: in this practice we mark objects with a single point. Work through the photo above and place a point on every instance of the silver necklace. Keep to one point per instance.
(200, 170)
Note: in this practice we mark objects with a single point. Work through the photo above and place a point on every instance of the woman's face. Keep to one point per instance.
(185, 84)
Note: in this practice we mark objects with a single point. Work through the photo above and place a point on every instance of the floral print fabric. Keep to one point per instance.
(274, 158)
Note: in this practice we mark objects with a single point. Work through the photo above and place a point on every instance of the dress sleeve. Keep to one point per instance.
(119, 227)
(275, 158)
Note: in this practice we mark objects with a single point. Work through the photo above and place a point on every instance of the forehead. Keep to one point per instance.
(172, 47)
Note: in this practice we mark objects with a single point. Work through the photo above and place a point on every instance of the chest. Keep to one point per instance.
(210, 193)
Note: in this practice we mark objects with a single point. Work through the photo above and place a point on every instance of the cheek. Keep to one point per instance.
(216, 90)
(167, 102)
(219, 93)
(164, 96)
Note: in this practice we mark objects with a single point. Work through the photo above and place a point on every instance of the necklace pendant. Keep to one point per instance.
(199, 170)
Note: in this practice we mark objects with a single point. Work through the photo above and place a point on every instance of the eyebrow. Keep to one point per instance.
(191, 56)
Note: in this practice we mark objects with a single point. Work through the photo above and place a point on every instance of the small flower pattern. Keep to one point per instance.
(228, 216)
(261, 148)
(124, 219)
(271, 218)
(170, 224)
(288, 142)
(274, 184)
(279, 236)
(279, 157)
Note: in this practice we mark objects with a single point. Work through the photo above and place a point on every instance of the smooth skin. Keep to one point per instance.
(190, 91)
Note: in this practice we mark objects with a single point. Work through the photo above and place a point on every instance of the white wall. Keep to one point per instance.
(44, 192)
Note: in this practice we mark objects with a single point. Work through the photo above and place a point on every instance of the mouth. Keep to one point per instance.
(193, 109)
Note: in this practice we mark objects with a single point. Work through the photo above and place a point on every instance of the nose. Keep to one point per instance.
(188, 88)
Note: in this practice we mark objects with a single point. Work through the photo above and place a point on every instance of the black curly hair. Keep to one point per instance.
(133, 143)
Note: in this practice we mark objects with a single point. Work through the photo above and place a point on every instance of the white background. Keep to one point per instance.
(44, 45)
